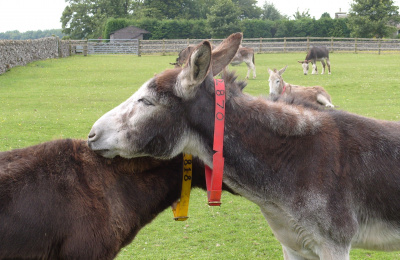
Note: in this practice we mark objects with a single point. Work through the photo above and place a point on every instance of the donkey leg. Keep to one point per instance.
(253, 67)
(314, 68)
(324, 101)
(329, 66)
(323, 66)
(248, 73)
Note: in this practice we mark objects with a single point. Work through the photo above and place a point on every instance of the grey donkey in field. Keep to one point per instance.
(316, 53)
(277, 86)
(325, 180)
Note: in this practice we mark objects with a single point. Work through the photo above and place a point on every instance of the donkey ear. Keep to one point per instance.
(223, 54)
(270, 71)
(282, 70)
(196, 70)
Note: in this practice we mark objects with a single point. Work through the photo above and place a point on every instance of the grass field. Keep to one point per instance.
(62, 98)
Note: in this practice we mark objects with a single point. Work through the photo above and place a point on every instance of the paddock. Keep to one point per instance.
(63, 98)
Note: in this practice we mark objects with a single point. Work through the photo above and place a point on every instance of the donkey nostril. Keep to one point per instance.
(92, 137)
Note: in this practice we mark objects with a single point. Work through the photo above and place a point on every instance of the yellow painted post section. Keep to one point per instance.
(182, 207)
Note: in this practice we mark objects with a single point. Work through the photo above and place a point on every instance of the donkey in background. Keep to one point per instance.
(277, 86)
(326, 181)
(60, 200)
(316, 53)
(243, 54)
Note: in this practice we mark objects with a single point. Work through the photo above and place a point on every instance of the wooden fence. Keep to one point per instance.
(276, 45)
(260, 45)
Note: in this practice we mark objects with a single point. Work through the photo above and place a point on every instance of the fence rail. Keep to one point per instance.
(114, 46)
(287, 44)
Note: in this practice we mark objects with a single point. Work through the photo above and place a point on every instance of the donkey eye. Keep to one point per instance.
(146, 102)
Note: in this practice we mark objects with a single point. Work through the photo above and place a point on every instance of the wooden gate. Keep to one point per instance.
(114, 46)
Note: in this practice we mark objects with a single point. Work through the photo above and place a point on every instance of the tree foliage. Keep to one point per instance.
(223, 19)
(86, 18)
(218, 18)
(30, 35)
(248, 9)
(269, 12)
(373, 18)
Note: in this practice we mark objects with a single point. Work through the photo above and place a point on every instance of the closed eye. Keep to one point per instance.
(146, 102)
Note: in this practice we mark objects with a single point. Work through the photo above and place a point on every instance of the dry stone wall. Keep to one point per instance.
(18, 53)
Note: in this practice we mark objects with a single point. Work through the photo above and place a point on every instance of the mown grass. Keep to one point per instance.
(62, 98)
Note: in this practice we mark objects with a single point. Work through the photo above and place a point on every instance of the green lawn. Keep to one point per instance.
(62, 98)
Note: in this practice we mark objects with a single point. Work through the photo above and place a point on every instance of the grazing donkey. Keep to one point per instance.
(316, 95)
(60, 200)
(243, 54)
(326, 181)
(316, 53)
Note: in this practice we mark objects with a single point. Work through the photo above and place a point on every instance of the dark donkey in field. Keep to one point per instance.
(60, 200)
(326, 181)
(243, 54)
(316, 53)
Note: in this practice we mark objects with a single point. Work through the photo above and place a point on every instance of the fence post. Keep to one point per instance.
(138, 48)
(188, 41)
(85, 48)
(332, 44)
(379, 46)
(163, 47)
(259, 48)
(284, 44)
(355, 45)
(308, 43)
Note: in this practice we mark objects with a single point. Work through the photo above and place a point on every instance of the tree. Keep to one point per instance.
(326, 15)
(223, 19)
(86, 18)
(305, 14)
(248, 9)
(269, 12)
(373, 18)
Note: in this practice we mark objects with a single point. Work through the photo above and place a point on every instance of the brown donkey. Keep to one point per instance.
(277, 86)
(60, 200)
(326, 181)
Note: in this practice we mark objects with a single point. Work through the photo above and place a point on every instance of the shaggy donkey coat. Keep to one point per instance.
(60, 200)
(326, 181)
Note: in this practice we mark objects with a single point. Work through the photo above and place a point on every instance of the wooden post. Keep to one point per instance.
(379, 46)
(188, 41)
(163, 47)
(331, 44)
(85, 48)
(308, 43)
(284, 44)
(355, 45)
(138, 48)
(259, 49)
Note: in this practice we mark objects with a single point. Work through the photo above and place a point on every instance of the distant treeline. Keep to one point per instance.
(30, 35)
(251, 28)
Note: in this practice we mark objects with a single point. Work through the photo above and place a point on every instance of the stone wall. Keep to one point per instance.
(18, 53)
